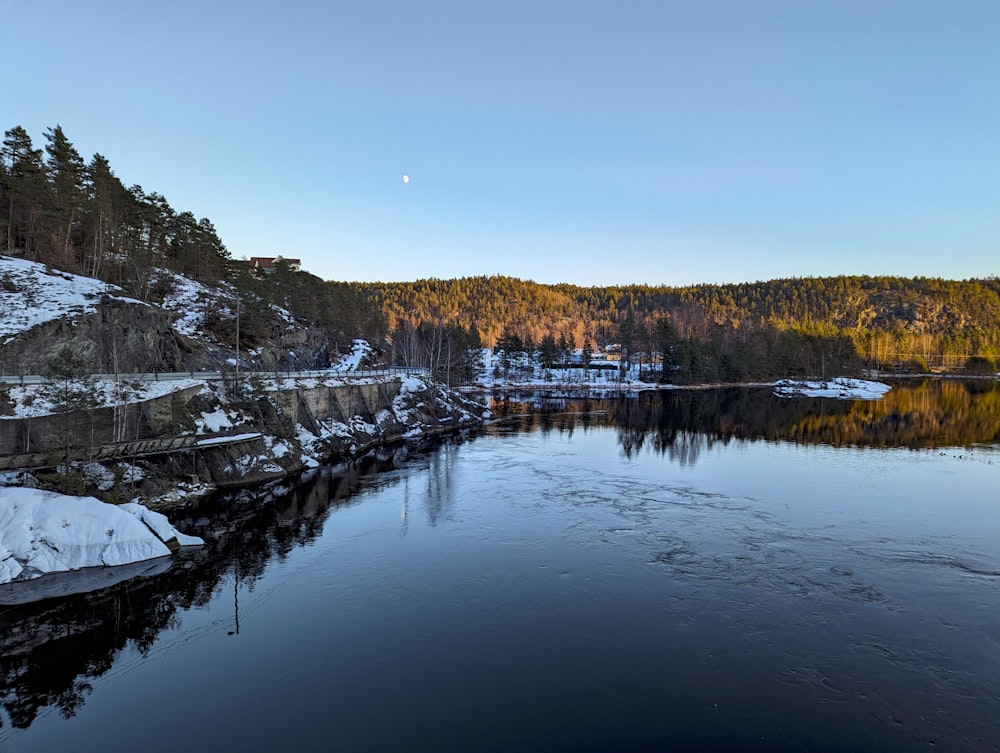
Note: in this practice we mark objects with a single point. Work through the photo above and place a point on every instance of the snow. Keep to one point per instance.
(229, 438)
(188, 300)
(215, 421)
(99, 476)
(45, 532)
(131, 473)
(158, 524)
(28, 402)
(241, 466)
(32, 294)
(352, 361)
(279, 448)
(841, 388)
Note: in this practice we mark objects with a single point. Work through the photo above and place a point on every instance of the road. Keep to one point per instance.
(210, 376)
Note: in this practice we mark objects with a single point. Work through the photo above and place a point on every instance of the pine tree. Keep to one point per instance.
(667, 340)
(65, 171)
(548, 350)
(70, 392)
(25, 193)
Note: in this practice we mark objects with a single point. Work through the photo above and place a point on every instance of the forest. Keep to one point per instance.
(77, 215)
(778, 328)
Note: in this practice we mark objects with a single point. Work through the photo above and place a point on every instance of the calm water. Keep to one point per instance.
(678, 572)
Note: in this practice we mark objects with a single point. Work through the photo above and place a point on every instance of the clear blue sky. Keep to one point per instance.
(586, 142)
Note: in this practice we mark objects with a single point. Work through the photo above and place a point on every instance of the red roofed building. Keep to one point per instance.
(266, 263)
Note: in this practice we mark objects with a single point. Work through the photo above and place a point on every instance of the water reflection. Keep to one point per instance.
(54, 649)
(681, 424)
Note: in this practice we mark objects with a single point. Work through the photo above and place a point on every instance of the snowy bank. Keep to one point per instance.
(44, 532)
(33, 294)
(841, 388)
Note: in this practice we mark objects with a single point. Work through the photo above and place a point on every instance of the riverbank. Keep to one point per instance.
(186, 443)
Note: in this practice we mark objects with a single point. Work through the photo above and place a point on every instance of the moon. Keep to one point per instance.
(406, 178)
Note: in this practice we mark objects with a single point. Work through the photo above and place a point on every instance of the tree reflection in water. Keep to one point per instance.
(682, 423)
(53, 650)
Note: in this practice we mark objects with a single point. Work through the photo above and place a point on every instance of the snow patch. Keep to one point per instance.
(158, 524)
(32, 294)
(44, 532)
(97, 475)
(352, 361)
(215, 421)
(228, 439)
(841, 388)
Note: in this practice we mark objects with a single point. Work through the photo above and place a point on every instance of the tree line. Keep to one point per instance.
(75, 215)
(787, 327)
(78, 216)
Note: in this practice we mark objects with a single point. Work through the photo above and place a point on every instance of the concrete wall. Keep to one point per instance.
(168, 415)
(341, 403)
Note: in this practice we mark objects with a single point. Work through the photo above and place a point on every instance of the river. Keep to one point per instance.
(682, 571)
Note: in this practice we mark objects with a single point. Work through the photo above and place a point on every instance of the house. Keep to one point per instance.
(266, 263)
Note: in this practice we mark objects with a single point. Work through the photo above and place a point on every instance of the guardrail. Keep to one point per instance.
(217, 376)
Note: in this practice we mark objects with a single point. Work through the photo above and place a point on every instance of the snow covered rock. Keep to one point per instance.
(841, 387)
(44, 532)
(360, 350)
(42, 310)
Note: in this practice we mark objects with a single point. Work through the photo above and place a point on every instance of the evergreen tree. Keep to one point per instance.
(563, 348)
(70, 393)
(587, 354)
(103, 194)
(65, 171)
(667, 339)
(548, 351)
(26, 193)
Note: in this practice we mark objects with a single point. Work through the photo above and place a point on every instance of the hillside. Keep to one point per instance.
(182, 325)
(148, 435)
(488, 305)
(878, 321)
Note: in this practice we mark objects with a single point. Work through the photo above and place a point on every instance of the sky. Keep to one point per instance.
(594, 143)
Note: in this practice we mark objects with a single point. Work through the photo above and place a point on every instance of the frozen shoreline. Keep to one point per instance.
(45, 532)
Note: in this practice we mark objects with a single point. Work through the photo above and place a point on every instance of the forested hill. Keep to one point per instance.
(962, 317)
(78, 216)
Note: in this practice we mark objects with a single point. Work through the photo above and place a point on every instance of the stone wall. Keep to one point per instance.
(307, 406)
(171, 414)
(157, 417)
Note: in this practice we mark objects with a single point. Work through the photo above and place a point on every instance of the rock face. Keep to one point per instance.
(301, 347)
(191, 328)
(138, 336)
(298, 427)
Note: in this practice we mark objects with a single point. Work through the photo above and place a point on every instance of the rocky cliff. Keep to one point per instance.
(179, 325)
(120, 333)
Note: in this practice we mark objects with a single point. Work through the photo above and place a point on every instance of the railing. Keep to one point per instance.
(216, 376)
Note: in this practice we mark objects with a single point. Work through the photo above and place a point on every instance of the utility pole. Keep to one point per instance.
(236, 385)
